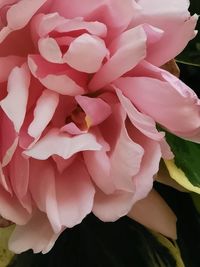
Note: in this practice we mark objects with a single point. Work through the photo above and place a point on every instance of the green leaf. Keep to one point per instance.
(187, 156)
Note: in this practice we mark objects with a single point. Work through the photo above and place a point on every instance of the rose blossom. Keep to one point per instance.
(81, 93)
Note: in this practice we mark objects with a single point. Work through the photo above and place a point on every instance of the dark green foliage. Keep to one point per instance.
(96, 244)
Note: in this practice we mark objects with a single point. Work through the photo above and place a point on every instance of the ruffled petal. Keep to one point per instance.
(61, 144)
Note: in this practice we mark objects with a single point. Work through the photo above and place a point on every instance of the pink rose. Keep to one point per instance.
(81, 93)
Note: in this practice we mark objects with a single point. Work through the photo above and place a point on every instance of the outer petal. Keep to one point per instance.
(127, 51)
(56, 143)
(175, 21)
(37, 235)
(14, 105)
(154, 213)
(168, 101)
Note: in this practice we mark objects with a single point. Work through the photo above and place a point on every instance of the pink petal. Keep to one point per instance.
(113, 206)
(19, 177)
(14, 105)
(168, 101)
(49, 50)
(43, 24)
(154, 213)
(7, 64)
(120, 164)
(98, 165)
(75, 194)
(76, 24)
(72, 129)
(141, 121)
(43, 190)
(126, 161)
(4, 180)
(83, 45)
(166, 150)
(56, 143)
(107, 12)
(127, 51)
(143, 180)
(174, 19)
(11, 209)
(52, 79)
(61, 163)
(19, 15)
(8, 139)
(37, 235)
(95, 108)
(43, 113)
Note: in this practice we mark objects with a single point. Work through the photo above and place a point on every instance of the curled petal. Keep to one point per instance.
(176, 106)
